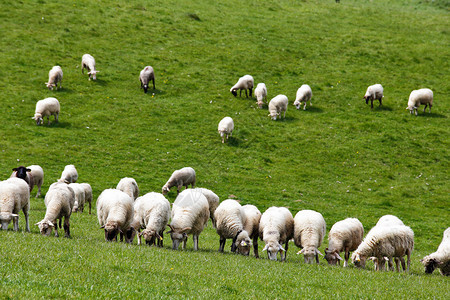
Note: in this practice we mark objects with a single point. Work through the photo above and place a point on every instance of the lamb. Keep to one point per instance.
(213, 202)
(14, 196)
(418, 97)
(190, 214)
(226, 126)
(439, 259)
(55, 75)
(180, 178)
(345, 235)
(69, 174)
(115, 214)
(244, 83)
(277, 106)
(46, 108)
(59, 201)
(129, 186)
(275, 228)
(304, 94)
(88, 62)
(261, 94)
(374, 92)
(385, 241)
(251, 225)
(309, 231)
(87, 194)
(147, 75)
(80, 197)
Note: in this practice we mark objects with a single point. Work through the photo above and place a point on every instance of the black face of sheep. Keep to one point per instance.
(21, 172)
(430, 265)
(367, 99)
(234, 92)
(145, 88)
(111, 233)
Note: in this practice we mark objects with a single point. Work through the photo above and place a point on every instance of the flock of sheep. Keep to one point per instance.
(121, 212)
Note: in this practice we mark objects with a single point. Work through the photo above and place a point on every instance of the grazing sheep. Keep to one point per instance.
(244, 83)
(129, 186)
(441, 258)
(277, 106)
(87, 194)
(275, 228)
(385, 241)
(374, 92)
(115, 214)
(345, 235)
(261, 94)
(14, 196)
(388, 220)
(226, 126)
(304, 94)
(180, 178)
(80, 197)
(418, 97)
(251, 225)
(46, 108)
(54, 76)
(309, 231)
(213, 202)
(88, 62)
(145, 76)
(190, 214)
(69, 174)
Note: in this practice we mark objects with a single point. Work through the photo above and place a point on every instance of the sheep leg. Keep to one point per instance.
(251, 92)
(153, 83)
(26, 213)
(39, 191)
(121, 237)
(371, 103)
(184, 244)
(286, 246)
(67, 227)
(246, 94)
(240, 93)
(304, 107)
(402, 260)
(56, 117)
(222, 241)
(161, 240)
(255, 246)
(90, 207)
(195, 237)
(347, 256)
(408, 261)
(48, 120)
(380, 102)
(425, 107)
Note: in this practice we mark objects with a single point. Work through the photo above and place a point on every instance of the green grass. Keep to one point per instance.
(338, 157)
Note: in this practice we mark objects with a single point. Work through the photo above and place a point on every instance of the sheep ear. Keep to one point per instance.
(299, 252)
(338, 256)
(14, 169)
(281, 248)
(318, 252)
(103, 226)
(38, 223)
(265, 247)
(28, 170)
(185, 229)
(14, 215)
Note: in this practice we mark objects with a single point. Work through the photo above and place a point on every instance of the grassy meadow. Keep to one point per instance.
(338, 157)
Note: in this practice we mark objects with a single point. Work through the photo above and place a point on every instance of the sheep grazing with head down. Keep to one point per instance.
(14, 196)
(418, 97)
(225, 128)
(55, 75)
(277, 106)
(213, 202)
(261, 94)
(388, 220)
(251, 225)
(304, 94)
(129, 186)
(190, 214)
(180, 178)
(147, 75)
(69, 174)
(244, 83)
(88, 62)
(374, 92)
(87, 194)
(45, 108)
(345, 235)
(309, 231)
(276, 227)
(439, 259)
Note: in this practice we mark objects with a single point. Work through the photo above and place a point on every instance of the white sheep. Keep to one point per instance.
(385, 242)
(190, 214)
(69, 174)
(55, 75)
(244, 83)
(261, 94)
(225, 128)
(251, 225)
(304, 94)
(87, 194)
(388, 220)
(213, 202)
(115, 214)
(129, 186)
(418, 97)
(88, 62)
(14, 196)
(441, 258)
(345, 235)
(180, 178)
(309, 231)
(33, 175)
(277, 106)
(275, 228)
(147, 75)
(374, 92)
(80, 197)
(45, 108)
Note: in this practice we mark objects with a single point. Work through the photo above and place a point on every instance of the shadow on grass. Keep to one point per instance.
(382, 108)
(99, 82)
(431, 115)
(151, 91)
(232, 141)
(59, 125)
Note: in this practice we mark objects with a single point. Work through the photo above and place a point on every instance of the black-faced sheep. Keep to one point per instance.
(147, 75)
(244, 83)
(374, 92)
(439, 259)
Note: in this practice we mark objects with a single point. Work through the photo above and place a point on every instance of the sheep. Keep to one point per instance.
(33, 175)
(304, 94)
(213, 202)
(80, 197)
(115, 214)
(14, 196)
(277, 106)
(87, 194)
(261, 94)
(385, 241)
(225, 128)
(129, 186)
(309, 231)
(145, 76)
(59, 201)
(439, 259)
(275, 228)
(418, 97)
(251, 225)
(374, 92)
(69, 174)
(180, 178)
(244, 83)
(388, 220)
(88, 62)
(345, 235)
(190, 214)
(55, 75)
(46, 108)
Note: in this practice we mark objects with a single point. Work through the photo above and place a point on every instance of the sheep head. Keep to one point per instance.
(272, 249)
(5, 219)
(150, 236)
(430, 264)
(45, 227)
(359, 260)
(234, 92)
(242, 243)
(21, 172)
(332, 257)
(178, 235)
(111, 231)
(50, 86)
(38, 118)
(309, 253)
(165, 190)
(93, 75)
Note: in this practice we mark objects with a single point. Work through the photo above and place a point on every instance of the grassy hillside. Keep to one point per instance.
(338, 157)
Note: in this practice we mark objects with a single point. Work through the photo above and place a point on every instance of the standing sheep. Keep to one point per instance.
(345, 235)
(304, 94)
(275, 228)
(388, 220)
(69, 174)
(180, 178)
(55, 75)
(261, 94)
(251, 224)
(45, 108)
(33, 175)
(441, 258)
(190, 214)
(418, 97)
(225, 128)
(129, 186)
(277, 106)
(87, 194)
(374, 92)
(309, 231)
(88, 62)
(80, 197)
(147, 75)
(14, 196)
(244, 83)
(213, 202)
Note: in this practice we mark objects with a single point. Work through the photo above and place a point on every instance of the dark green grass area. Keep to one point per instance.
(338, 157)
